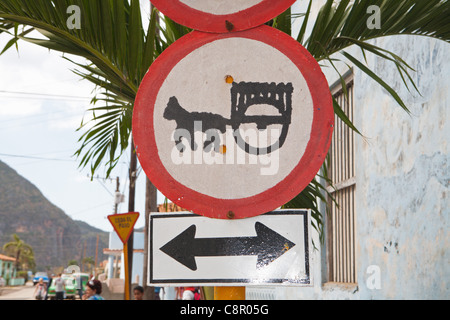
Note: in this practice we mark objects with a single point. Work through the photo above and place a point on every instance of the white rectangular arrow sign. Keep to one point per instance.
(271, 249)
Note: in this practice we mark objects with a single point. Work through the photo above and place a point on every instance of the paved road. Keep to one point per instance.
(18, 293)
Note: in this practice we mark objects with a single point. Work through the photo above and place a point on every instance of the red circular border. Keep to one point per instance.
(285, 190)
(242, 20)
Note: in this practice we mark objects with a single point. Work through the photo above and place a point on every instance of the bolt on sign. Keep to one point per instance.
(123, 224)
(222, 15)
(235, 124)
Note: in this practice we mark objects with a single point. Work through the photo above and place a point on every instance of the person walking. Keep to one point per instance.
(40, 291)
(59, 287)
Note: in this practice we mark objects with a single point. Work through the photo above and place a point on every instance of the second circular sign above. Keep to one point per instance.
(222, 16)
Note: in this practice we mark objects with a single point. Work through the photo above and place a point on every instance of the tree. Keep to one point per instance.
(27, 261)
(90, 263)
(72, 262)
(22, 251)
(119, 51)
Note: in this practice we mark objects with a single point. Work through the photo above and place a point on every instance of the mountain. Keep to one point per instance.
(55, 237)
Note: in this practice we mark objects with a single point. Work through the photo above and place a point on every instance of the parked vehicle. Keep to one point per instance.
(40, 275)
(84, 278)
(72, 289)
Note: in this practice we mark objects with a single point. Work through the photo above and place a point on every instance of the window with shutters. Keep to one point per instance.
(341, 223)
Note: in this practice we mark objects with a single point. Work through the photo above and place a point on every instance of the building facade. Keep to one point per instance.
(7, 269)
(388, 238)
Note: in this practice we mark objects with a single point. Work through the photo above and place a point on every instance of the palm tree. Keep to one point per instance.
(21, 250)
(118, 52)
(90, 263)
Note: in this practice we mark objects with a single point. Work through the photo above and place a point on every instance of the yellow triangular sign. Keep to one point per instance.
(123, 224)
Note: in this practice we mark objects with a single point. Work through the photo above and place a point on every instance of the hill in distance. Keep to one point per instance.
(55, 237)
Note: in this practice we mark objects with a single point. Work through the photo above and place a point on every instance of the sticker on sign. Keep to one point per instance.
(191, 249)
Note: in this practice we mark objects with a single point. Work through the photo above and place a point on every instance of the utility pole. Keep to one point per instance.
(151, 205)
(81, 255)
(116, 203)
(96, 254)
(116, 207)
(84, 255)
(131, 201)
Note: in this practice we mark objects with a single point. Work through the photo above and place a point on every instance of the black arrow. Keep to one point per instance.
(267, 245)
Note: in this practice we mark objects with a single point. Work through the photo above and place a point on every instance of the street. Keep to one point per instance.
(17, 293)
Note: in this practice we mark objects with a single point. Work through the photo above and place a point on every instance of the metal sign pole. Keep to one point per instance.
(123, 225)
(127, 272)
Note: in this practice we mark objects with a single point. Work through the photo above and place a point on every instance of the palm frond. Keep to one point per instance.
(338, 27)
(342, 24)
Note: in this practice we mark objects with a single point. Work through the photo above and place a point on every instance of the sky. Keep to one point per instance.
(42, 104)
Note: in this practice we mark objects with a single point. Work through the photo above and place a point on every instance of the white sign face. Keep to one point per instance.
(233, 125)
(271, 249)
(220, 7)
(196, 90)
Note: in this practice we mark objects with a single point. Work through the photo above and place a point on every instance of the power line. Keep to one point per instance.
(17, 118)
(36, 158)
(44, 98)
(39, 158)
(104, 187)
(45, 95)
(85, 211)
(41, 122)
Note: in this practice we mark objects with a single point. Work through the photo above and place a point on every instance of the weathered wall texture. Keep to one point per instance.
(403, 174)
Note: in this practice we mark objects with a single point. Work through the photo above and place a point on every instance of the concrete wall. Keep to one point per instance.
(403, 174)
(402, 181)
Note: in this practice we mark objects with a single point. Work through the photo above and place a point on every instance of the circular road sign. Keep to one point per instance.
(222, 15)
(233, 125)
